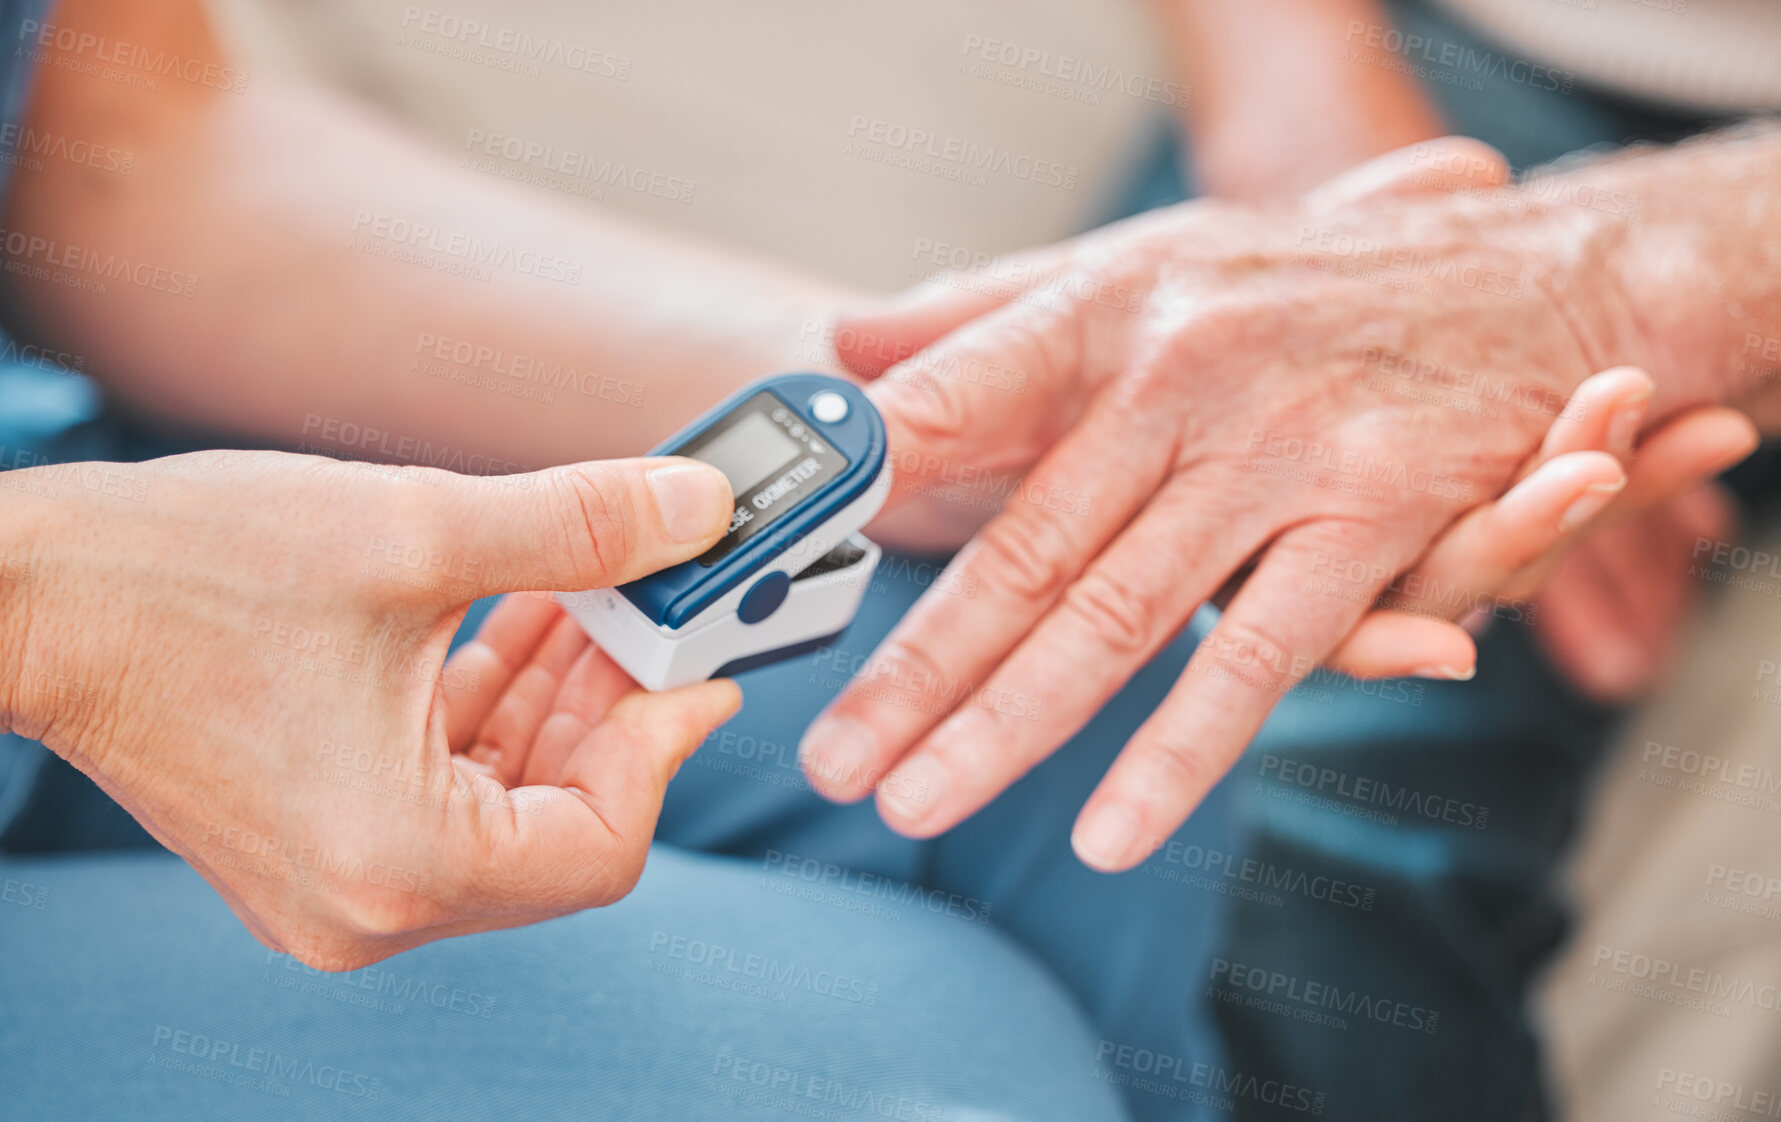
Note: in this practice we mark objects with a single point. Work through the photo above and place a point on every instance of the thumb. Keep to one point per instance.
(1448, 163)
(581, 526)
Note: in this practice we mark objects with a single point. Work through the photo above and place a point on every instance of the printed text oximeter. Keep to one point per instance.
(805, 456)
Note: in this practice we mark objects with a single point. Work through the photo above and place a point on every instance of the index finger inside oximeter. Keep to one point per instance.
(805, 457)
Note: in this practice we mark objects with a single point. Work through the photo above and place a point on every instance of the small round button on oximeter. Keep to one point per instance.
(828, 407)
(806, 460)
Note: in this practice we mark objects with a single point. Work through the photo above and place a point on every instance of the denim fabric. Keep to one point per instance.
(133, 992)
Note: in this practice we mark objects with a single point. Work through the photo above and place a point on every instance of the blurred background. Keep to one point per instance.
(755, 107)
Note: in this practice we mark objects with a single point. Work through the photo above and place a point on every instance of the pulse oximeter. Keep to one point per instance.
(805, 456)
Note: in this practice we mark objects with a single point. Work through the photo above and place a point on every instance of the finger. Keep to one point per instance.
(1490, 544)
(590, 525)
(1510, 539)
(1387, 644)
(589, 691)
(989, 399)
(1017, 566)
(1678, 456)
(478, 672)
(1686, 452)
(623, 766)
(952, 418)
(1644, 563)
(872, 338)
(1603, 414)
(1705, 512)
(1646, 571)
(1507, 548)
(1104, 627)
(1580, 626)
(1271, 636)
(505, 739)
(545, 850)
(1448, 163)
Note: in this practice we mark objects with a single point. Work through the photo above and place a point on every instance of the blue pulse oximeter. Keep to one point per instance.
(805, 456)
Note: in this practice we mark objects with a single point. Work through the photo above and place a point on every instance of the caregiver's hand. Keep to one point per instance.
(1594, 553)
(247, 650)
(1188, 394)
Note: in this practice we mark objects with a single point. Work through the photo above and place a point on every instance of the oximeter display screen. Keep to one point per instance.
(774, 460)
(750, 451)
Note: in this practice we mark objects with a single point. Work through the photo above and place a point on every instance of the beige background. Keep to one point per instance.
(753, 103)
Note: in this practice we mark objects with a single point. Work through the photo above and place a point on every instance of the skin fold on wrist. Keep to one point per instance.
(33, 690)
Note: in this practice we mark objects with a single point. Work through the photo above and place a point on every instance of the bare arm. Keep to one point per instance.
(1696, 236)
(343, 277)
(1277, 104)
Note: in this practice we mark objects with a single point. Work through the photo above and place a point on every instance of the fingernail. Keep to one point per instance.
(693, 500)
(1589, 504)
(1104, 838)
(1445, 673)
(837, 751)
(913, 789)
(1624, 428)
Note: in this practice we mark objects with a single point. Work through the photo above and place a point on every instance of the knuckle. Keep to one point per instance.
(905, 665)
(375, 918)
(1211, 333)
(1055, 343)
(365, 912)
(927, 403)
(1173, 764)
(1104, 274)
(1124, 622)
(1254, 655)
(597, 513)
(1144, 388)
(1029, 553)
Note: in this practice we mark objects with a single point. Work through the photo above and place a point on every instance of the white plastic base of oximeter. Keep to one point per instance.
(816, 607)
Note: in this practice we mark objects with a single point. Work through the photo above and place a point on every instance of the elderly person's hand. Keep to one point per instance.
(1219, 390)
(247, 650)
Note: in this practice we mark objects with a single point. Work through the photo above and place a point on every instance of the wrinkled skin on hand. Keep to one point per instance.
(1210, 392)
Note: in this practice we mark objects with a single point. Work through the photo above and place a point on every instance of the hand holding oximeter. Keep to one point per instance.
(805, 456)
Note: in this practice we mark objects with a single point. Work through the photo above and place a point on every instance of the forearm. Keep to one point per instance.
(1697, 229)
(1279, 102)
(530, 329)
